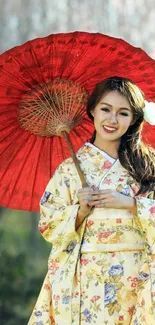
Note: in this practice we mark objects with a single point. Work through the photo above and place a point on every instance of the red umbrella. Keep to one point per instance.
(60, 64)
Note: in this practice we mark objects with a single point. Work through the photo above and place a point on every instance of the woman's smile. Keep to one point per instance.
(109, 129)
(112, 117)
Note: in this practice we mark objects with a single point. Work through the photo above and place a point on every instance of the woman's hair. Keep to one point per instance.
(137, 158)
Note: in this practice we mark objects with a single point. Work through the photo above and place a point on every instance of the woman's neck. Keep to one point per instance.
(111, 148)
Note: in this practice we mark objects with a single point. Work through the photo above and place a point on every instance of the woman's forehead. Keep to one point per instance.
(114, 98)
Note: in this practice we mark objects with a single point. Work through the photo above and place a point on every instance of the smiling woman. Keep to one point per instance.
(125, 113)
(101, 234)
(112, 115)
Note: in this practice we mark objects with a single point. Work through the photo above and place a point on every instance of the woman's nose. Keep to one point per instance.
(113, 118)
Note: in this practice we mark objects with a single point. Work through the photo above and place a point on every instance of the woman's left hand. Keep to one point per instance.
(112, 199)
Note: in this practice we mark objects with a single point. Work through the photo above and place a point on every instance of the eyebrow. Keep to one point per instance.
(127, 109)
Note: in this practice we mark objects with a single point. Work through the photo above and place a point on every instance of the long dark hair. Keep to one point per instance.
(136, 157)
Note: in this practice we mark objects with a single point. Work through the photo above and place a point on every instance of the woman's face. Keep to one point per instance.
(112, 117)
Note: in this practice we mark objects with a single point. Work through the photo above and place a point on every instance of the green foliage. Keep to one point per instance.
(19, 287)
(23, 266)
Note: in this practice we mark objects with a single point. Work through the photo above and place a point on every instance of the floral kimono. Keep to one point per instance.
(104, 272)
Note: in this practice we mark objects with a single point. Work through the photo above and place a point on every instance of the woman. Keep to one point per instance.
(101, 267)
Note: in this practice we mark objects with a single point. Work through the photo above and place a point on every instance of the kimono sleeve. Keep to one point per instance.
(146, 218)
(58, 210)
(145, 308)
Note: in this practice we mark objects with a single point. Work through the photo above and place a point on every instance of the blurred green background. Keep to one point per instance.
(24, 254)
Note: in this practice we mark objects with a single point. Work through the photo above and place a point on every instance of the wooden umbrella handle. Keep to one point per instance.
(76, 162)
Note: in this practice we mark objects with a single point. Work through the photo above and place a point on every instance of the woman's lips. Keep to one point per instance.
(109, 129)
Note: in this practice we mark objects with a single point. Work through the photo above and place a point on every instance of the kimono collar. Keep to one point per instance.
(103, 153)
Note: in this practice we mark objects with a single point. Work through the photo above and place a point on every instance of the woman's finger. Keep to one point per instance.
(87, 191)
(99, 202)
(90, 192)
(98, 197)
(87, 195)
(103, 204)
(105, 191)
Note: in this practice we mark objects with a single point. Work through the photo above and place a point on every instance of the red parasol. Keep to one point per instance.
(61, 65)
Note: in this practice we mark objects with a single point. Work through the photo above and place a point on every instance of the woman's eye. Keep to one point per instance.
(105, 109)
(124, 114)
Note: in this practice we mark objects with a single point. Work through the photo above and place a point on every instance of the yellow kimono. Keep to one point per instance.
(103, 273)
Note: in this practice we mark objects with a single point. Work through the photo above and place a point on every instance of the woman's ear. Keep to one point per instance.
(92, 113)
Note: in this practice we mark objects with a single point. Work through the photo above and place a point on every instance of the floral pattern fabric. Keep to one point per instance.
(104, 271)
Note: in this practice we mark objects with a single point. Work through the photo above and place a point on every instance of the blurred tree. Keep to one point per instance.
(32, 241)
(24, 256)
(18, 288)
(126, 19)
(20, 283)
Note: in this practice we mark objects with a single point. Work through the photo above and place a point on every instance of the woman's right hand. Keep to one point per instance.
(84, 196)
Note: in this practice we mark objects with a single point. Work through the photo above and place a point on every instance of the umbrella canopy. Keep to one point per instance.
(78, 60)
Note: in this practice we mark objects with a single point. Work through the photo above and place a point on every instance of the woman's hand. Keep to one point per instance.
(84, 195)
(112, 199)
(88, 198)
